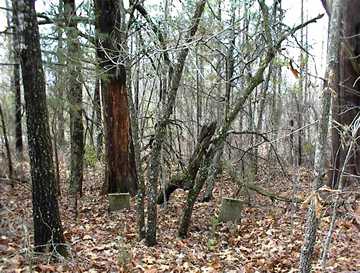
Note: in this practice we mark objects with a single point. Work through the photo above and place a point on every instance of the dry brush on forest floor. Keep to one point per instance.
(268, 239)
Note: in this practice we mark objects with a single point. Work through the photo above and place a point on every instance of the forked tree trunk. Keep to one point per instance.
(47, 225)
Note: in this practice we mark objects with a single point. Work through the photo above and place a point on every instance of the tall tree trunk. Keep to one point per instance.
(47, 225)
(19, 147)
(312, 220)
(345, 105)
(60, 85)
(98, 119)
(74, 95)
(229, 72)
(120, 171)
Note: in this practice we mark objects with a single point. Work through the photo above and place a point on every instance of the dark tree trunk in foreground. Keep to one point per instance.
(47, 225)
(74, 86)
(120, 164)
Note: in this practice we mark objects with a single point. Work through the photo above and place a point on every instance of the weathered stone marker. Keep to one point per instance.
(118, 201)
(230, 210)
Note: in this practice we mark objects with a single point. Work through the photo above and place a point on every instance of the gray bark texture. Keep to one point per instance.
(346, 101)
(312, 220)
(47, 225)
(74, 94)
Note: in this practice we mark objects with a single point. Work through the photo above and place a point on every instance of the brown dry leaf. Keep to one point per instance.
(46, 268)
(307, 201)
(318, 206)
(151, 270)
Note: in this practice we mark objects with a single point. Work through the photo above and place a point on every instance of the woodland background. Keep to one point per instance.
(180, 104)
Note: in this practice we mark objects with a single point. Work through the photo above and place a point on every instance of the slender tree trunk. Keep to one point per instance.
(199, 91)
(140, 197)
(74, 95)
(7, 146)
(60, 83)
(98, 119)
(229, 72)
(46, 216)
(16, 84)
(312, 220)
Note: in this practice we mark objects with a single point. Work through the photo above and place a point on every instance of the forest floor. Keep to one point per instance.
(268, 239)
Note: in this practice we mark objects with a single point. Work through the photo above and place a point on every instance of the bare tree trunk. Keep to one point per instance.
(47, 224)
(74, 95)
(19, 147)
(140, 197)
(347, 99)
(7, 146)
(229, 72)
(60, 83)
(120, 173)
(312, 220)
(98, 119)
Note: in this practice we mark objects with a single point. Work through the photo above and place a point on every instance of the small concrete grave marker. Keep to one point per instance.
(118, 201)
(230, 210)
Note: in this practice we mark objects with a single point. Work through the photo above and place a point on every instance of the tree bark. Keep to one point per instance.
(60, 85)
(347, 99)
(7, 146)
(74, 95)
(47, 225)
(312, 220)
(98, 119)
(19, 147)
(120, 174)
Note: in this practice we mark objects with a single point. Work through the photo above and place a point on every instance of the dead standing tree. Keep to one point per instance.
(111, 24)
